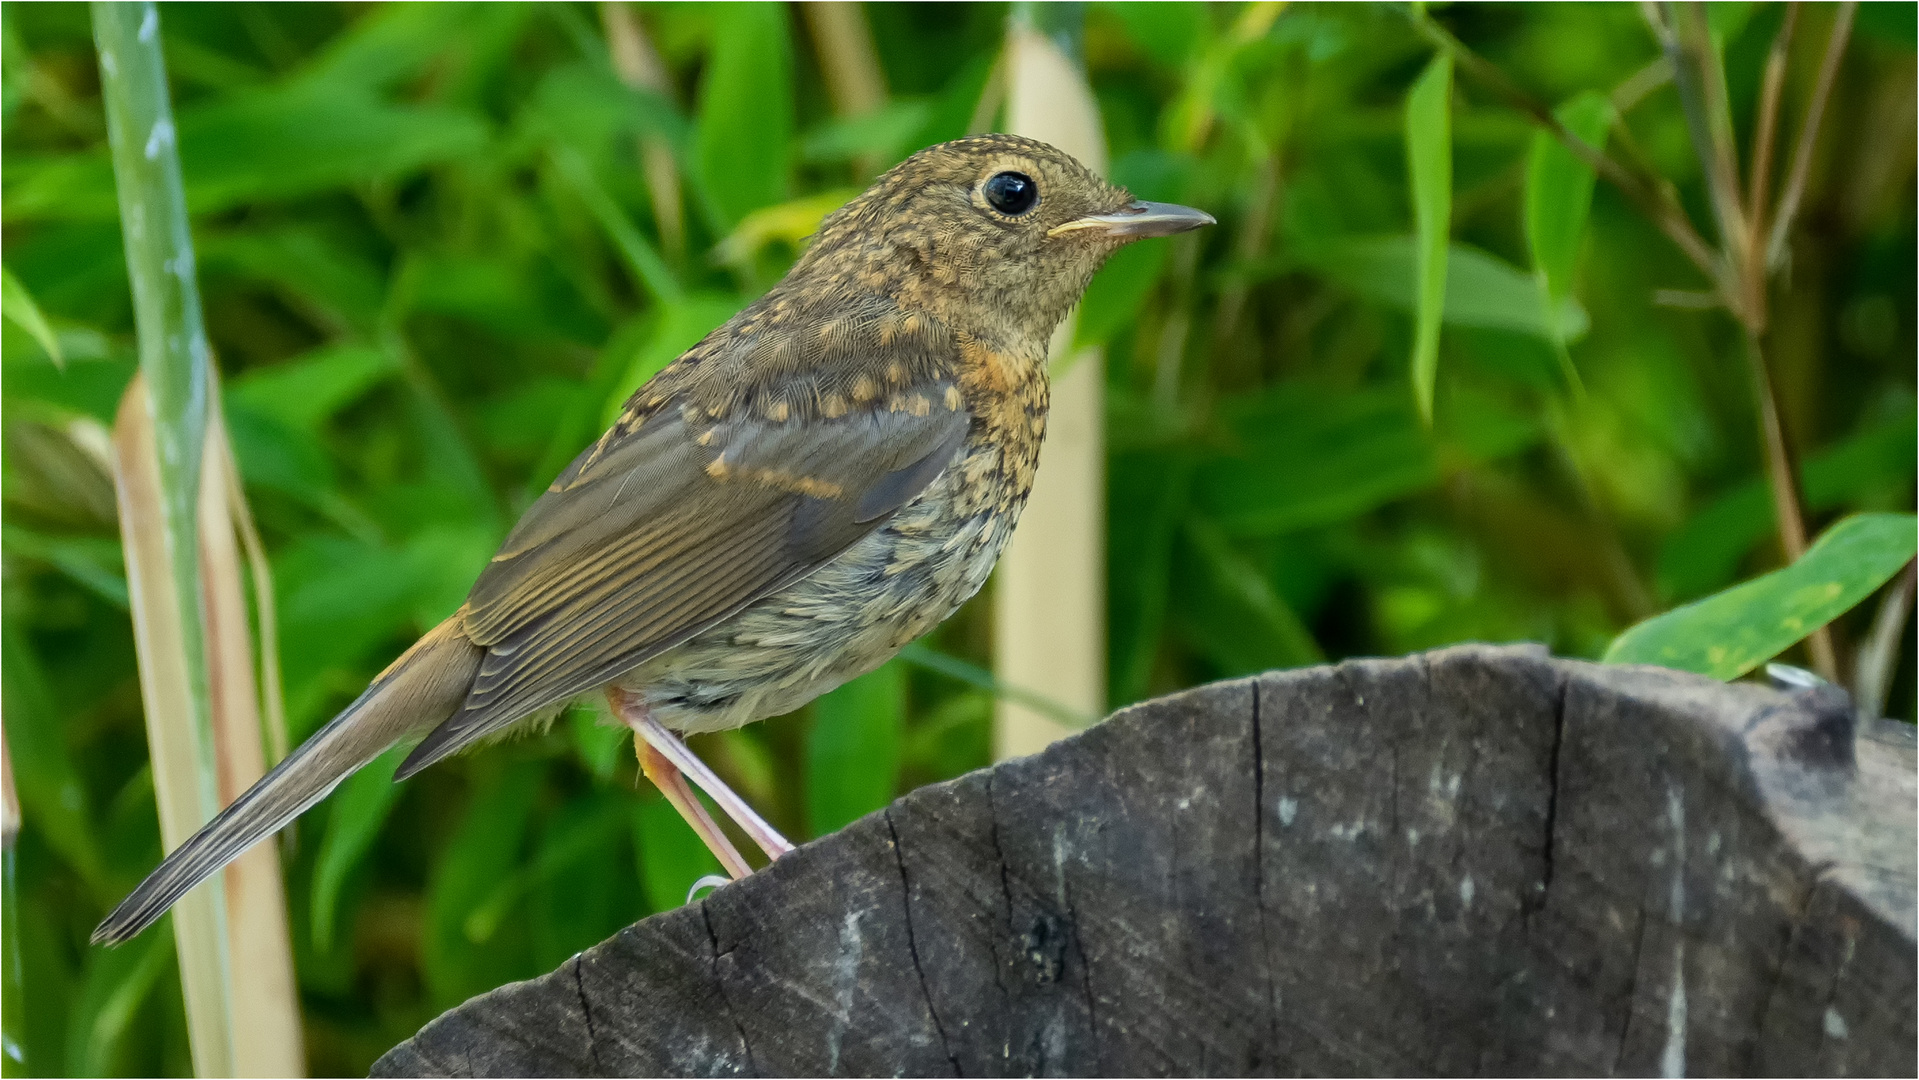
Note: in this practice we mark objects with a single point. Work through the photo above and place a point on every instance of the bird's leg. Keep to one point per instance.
(674, 755)
(730, 803)
(672, 784)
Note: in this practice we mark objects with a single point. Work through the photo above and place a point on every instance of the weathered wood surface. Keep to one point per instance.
(1476, 861)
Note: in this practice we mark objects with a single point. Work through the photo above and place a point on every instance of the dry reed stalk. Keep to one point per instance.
(1049, 604)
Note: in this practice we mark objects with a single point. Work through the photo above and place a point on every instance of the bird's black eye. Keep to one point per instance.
(1012, 193)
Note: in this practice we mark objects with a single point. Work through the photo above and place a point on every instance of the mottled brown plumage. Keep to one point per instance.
(818, 482)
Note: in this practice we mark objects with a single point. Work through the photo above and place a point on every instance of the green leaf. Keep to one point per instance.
(117, 984)
(887, 133)
(1559, 189)
(577, 831)
(1238, 620)
(272, 144)
(744, 146)
(306, 391)
(853, 748)
(648, 268)
(1429, 158)
(484, 850)
(1304, 457)
(1730, 633)
(316, 265)
(48, 783)
(1171, 34)
(17, 307)
(1483, 291)
(357, 812)
(391, 43)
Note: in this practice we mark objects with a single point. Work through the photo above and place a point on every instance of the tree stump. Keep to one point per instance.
(1474, 861)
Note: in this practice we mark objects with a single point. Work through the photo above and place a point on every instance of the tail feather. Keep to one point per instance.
(419, 691)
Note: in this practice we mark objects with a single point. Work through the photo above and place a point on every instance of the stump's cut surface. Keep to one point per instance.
(1475, 861)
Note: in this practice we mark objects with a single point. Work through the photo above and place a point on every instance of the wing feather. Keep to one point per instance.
(670, 527)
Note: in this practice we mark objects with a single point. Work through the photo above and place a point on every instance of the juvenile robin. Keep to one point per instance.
(820, 481)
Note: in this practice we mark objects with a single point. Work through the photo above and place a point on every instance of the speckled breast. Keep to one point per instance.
(856, 612)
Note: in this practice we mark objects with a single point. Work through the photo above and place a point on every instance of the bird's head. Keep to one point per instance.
(997, 235)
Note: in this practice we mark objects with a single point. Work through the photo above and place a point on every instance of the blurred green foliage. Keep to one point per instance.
(432, 271)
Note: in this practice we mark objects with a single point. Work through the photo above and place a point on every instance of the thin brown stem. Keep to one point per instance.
(850, 64)
(1701, 82)
(1766, 132)
(1809, 134)
(1627, 95)
(1753, 264)
(1655, 199)
(848, 60)
(1782, 478)
(1879, 656)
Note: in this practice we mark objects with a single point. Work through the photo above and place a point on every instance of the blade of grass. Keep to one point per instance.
(1429, 158)
(17, 306)
(159, 438)
(973, 675)
(648, 267)
(190, 624)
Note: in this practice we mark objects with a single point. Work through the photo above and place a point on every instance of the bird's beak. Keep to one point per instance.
(1139, 220)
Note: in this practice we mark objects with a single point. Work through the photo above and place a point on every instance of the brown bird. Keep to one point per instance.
(820, 481)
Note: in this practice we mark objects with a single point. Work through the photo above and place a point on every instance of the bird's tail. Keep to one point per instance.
(421, 689)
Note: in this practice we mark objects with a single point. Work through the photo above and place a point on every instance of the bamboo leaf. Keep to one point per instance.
(1872, 469)
(1483, 291)
(1559, 188)
(307, 390)
(1429, 158)
(1730, 633)
(1227, 591)
(17, 307)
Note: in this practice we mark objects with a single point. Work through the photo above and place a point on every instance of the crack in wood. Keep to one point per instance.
(912, 941)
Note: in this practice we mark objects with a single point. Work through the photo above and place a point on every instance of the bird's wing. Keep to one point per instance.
(663, 530)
